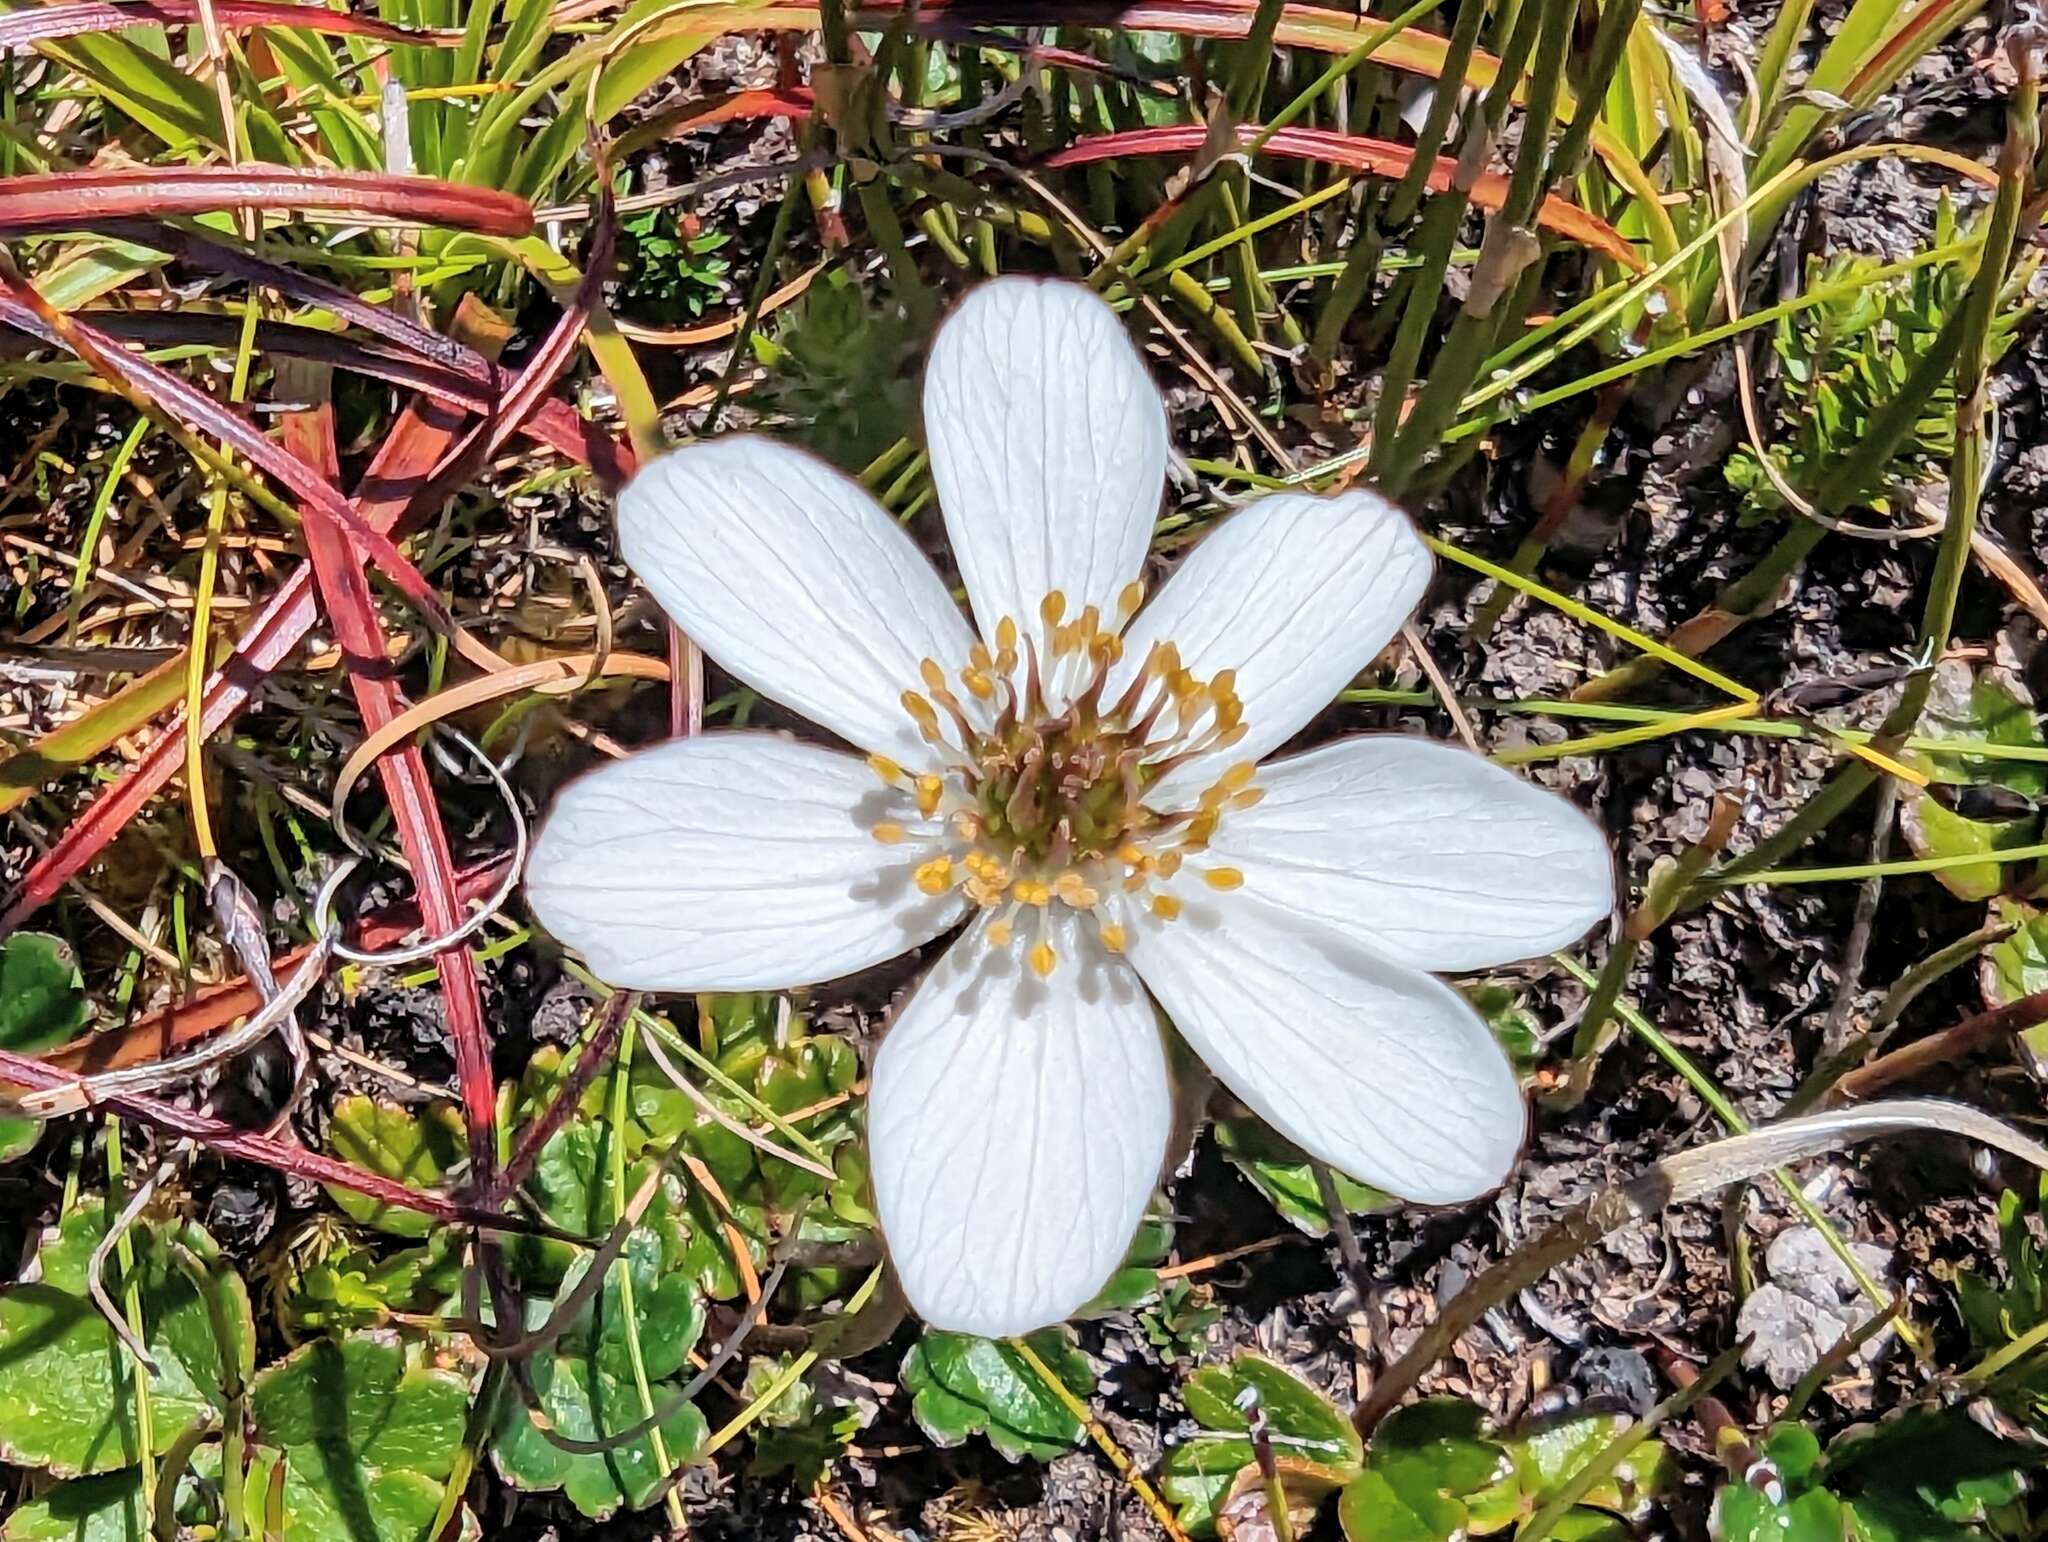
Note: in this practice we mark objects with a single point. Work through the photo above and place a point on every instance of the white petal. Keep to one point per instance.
(1048, 445)
(1016, 1128)
(1382, 1071)
(1434, 856)
(735, 861)
(1296, 594)
(795, 580)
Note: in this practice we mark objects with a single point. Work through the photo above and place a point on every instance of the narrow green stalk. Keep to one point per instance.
(1786, 32)
(1509, 242)
(1425, 284)
(622, 1079)
(131, 1307)
(96, 521)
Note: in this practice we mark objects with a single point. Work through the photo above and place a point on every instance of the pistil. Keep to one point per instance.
(1042, 794)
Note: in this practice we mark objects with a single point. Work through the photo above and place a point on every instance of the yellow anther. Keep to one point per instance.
(1223, 685)
(1223, 878)
(888, 832)
(1073, 891)
(1199, 830)
(934, 677)
(935, 876)
(981, 658)
(1089, 624)
(1129, 598)
(1234, 736)
(1168, 863)
(1114, 937)
(1165, 661)
(887, 769)
(1249, 798)
(1165, 906)
(926, 715)
(1043, 960)
(1131, 856)
(1051, 608)
(1006, 635)
(1238, 777)
(999, 933)
(978, 683)
(1032, 891)
(929, 790)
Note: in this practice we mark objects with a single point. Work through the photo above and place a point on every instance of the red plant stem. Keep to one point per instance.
(156, 390)
(1353, 152)
(48, 201)
(228, 1140)
(352, 611)
(419, 439)
(49, 23)
(534, 1138)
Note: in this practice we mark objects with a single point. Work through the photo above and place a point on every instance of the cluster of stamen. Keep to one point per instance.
(1041, 800)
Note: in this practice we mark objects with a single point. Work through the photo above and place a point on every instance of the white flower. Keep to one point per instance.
(1081, 782)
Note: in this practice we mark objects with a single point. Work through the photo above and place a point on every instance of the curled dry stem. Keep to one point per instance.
(1688, 1175)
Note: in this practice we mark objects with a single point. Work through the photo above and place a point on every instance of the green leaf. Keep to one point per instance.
(1137, 1280)
(67, 1401)
(587, 1403)
(418, 1149)
(1427, 1460)
(1746, 1514)
(1934, 831)
(1280, 1171)
(104, 1509)
(1548, 1458)
(588, 1391)
(1512, 1024)
(962, 1385)
(800, 1432)
(42, 1005)
(1306, 1429)
(1928, 1473)
(1979, 707)
(367, 1435)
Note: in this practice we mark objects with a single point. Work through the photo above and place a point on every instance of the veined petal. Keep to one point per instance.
(1433, 856)
(1048, 446)
(1016, 1127)
(734, 861)
(1380, 1070)
(794, 579)
(1296, 594)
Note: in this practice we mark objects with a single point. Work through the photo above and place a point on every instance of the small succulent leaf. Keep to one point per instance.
(67, 1402)
(1548, 1458)
(417, 1147)
(962, 1385)
(102, 1509)
(1280, 1171)
(42, 1005)
(42, 997)
(802, 1432)
(586, 1402)
(337, 1405)
(1745, 1514)
(1372, 1509)
(1137, 1281)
